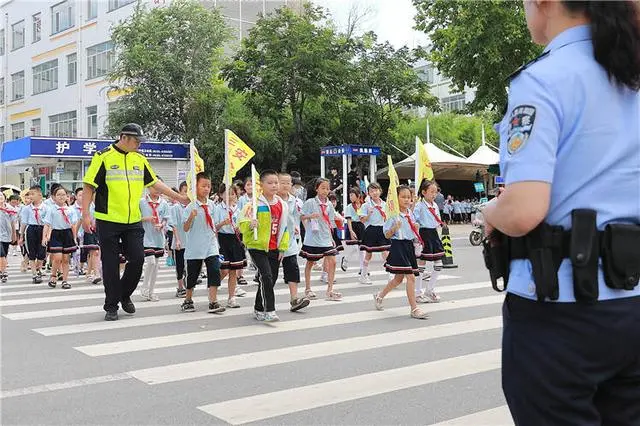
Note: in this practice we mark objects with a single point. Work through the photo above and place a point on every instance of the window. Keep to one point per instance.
(1, 133)
(37, 28)
(1, 42)
(17, 35)
(453, 103)
(117, 4)
(1, 91)
(72, 69)
(63, 125)
(92, 122)
(17, 86)
(35, 127)
(100, 59)
(92, 9)
(17, 130)
(45, 77)
(62, 17)
(426, 74)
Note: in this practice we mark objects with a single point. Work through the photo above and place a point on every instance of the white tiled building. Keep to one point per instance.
(55, 55)
(440, 86)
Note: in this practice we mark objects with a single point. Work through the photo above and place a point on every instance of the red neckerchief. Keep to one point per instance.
(355, 206)
(64, 215)
(433, 212)
(207, 216)
(414, 228)
(7, 211)
(36, 213)
(154, 209)
(233, 225)
(325, 215)
(377, 207)
(79, 208)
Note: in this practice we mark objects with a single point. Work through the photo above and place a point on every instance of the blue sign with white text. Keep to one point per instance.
(337, 151)
(85, 148)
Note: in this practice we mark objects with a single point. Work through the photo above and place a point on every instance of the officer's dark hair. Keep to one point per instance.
(183, 184)
(425, 185)
(202, 175)
(615, 30)
(266, 173)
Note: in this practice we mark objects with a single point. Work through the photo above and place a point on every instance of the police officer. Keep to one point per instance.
(118, 176)
(568, 218)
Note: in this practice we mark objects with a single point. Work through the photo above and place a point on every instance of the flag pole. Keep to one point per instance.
(417, 166)
(192, 167)
(227, 172)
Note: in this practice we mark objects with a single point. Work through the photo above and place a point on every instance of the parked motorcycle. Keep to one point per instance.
(477, 233)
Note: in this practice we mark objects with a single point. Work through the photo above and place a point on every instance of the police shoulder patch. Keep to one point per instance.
(521, 123)
(103, 151)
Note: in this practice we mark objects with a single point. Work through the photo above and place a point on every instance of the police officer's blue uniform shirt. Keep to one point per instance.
(55, 217)
(586, 147)
(220, 214)
(176, 213)
(28, 215)
(322, 236)
(375, 217)
(404, 232)
(153, 238)
(423, 215)
(202, 240)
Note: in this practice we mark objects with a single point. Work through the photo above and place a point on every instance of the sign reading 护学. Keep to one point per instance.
(79, 148)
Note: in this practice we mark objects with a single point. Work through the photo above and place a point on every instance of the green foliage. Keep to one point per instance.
(166, 57)
(477, 43)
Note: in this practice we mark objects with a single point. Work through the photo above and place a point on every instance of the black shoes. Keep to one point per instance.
(111, 316)
(128, 306)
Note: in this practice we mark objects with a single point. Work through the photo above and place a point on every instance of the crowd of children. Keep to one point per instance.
(228, 230)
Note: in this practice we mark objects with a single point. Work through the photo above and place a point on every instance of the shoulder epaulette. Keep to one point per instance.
(527, 65)
(104, 151)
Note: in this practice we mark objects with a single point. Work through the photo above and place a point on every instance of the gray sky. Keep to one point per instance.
(392, 20)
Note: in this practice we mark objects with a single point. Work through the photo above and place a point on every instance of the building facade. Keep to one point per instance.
(54, 59)
(441, 87)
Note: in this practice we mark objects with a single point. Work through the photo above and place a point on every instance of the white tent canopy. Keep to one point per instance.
(484, 155)
(445, 166)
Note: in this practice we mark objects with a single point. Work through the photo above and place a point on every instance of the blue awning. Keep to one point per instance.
(74, 148)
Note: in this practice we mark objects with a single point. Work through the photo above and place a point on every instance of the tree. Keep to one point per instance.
(477, 43)
(165, 57)
(287, 59)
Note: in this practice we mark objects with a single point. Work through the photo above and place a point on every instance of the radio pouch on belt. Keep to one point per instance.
(584, 253)
(621, 256)
(495, 250)
(544, 249)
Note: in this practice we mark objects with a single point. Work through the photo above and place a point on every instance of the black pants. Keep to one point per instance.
(572, 364)
(268, 265)
(178, 256)
(194, 266)
(110, 234)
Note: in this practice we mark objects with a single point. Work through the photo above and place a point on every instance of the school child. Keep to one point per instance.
(179, 240)
(59, 236)
(13, 203)
(31, 228)
(267, 239)
(401, 262)
(230, 242)
(243, 200)
(355, 227)
(155, 212)
(318, 216)
(90, 250)
(26, 203)
(202, 246)
(8, 220)
(290, 258)
(373, 215)
(428, 217)
(337, 227)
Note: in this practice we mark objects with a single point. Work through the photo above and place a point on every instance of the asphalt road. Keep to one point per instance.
(341, 363)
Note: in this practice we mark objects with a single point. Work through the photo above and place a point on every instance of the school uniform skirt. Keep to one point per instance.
(336, 239)
(358, 229)
(232, 252)
(90, 241)
(61, 241)
(374, 240)
(402, 258)
(432, 249)
(313, 253)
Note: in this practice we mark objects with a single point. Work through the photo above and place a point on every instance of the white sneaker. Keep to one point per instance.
(421, 299)
(365, 280)
(324, 277)
(231, 303)
(432, 297)
(146, 295)
(240, 292)
(271, 317)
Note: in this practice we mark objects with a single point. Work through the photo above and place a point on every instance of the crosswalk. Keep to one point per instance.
(332, 363)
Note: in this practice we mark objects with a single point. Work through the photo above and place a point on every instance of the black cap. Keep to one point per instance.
(133, 129)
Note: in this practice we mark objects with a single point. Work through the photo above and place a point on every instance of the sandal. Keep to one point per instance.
(66, 285)
(52, 284)
(418, 313)
(310, 295)
(334, 296)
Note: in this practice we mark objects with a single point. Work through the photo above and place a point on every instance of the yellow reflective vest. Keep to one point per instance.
(119, 179)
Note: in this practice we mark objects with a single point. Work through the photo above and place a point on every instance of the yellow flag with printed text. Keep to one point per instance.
(196, 166)
(237, 154)
(423, 165)
(7, 193)
(393, 208)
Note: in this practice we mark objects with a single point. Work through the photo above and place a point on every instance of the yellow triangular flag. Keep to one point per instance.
(423, 165)
(393, 208)
(196, 166)
(237, 154)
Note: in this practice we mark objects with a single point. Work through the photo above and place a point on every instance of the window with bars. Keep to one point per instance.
(72, 69)
(1, 42)
(92, 122)
(2, 91)
(17, 130)
(117, 4)
(100, 59)
(17, 86)
(63, 125)
(36, 127)
(17, 35)
(45, 77)
(453, 103)
(37, 28)
(1, 133)
(92, 9)
(62, 17)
